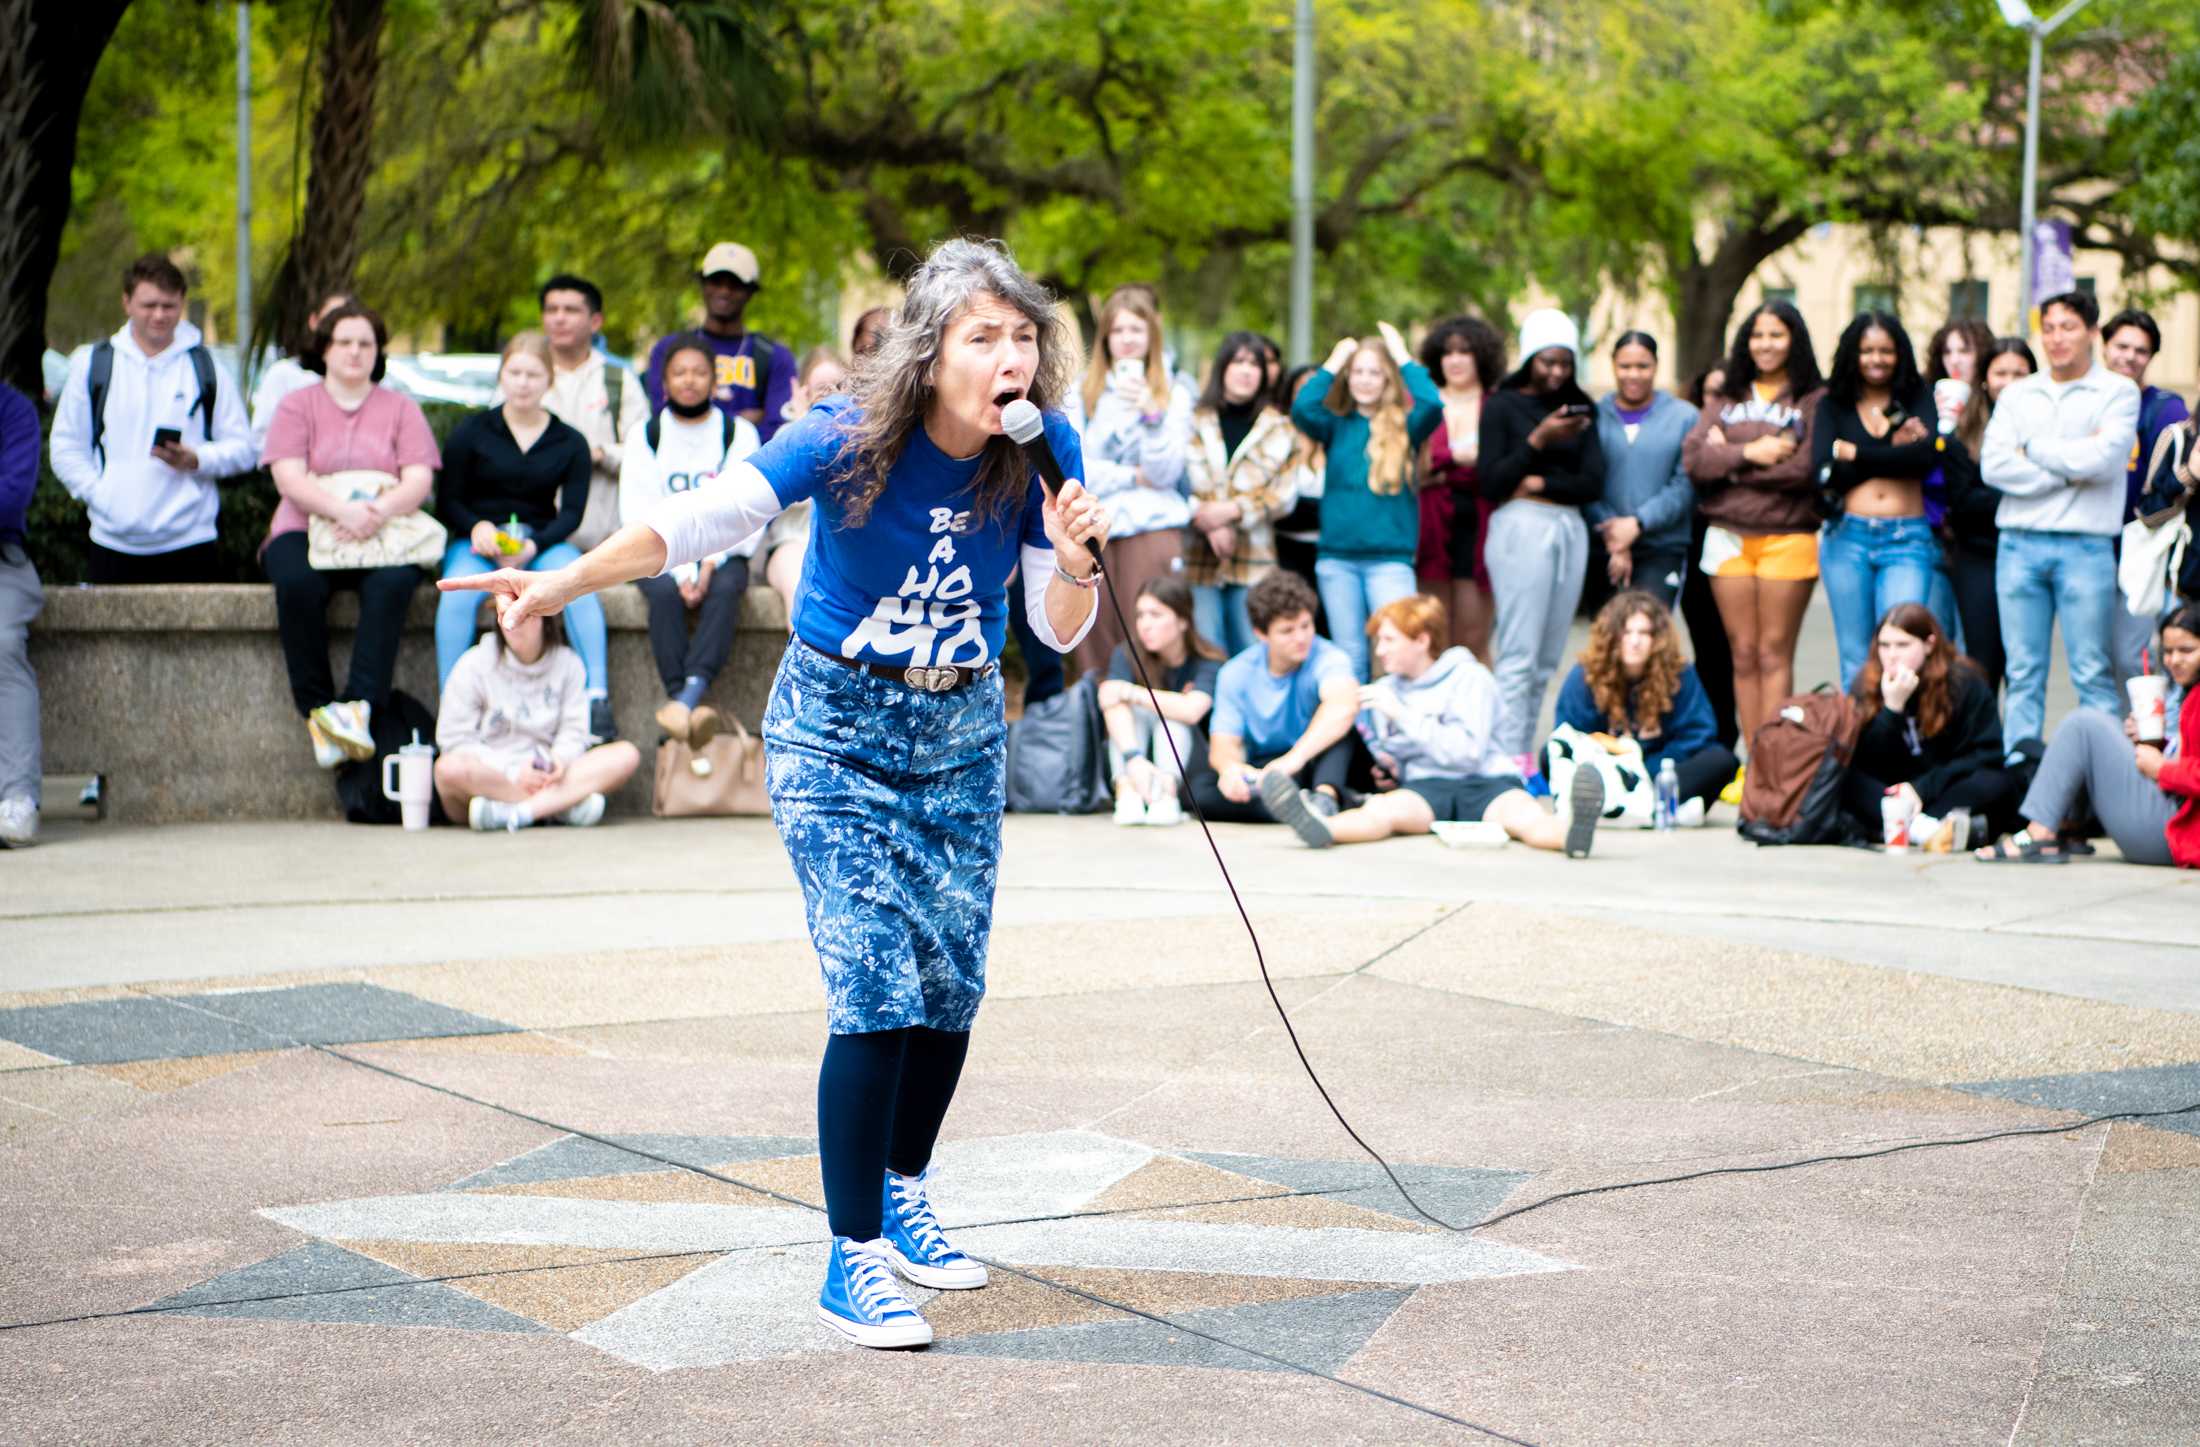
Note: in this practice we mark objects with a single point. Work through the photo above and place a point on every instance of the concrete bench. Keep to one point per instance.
(178, 695)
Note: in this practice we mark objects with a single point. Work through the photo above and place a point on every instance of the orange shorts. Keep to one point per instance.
(1781, 557)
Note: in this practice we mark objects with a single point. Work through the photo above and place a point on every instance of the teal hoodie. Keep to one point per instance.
(1357, 523)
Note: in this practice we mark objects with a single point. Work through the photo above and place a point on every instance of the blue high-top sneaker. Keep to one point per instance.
(914, 1243)
(862, 1300)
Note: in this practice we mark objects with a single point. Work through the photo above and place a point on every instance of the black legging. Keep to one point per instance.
(1707, 637)
(1972, 575)
(1990, 794)
(880, 1100)
(1703, 774)
(681, 656)
(1342, 766)
(301, 621)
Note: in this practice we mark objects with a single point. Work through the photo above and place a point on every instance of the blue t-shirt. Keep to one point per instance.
(923, 581)
(1267, 712)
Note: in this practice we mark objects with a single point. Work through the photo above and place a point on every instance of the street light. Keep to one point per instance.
(2019, 14)
(1301, 332)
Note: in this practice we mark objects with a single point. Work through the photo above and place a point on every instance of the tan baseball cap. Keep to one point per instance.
(731, 256)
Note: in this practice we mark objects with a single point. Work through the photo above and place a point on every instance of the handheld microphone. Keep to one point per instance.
(1020, 419)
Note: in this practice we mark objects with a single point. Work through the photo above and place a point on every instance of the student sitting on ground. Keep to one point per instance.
(1183, 666)
(1284, 705)
(2146, 795)
(1633, 683)
(1931, 731)
(513, 733)
(1432, 723)
(684, 448)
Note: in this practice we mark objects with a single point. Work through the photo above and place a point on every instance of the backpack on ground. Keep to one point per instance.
(1797, 763)
(1058, 755)
(102, 374)
(359, 784)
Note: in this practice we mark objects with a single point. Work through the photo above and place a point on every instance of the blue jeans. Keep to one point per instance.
(1871, 564)
(1352, 590)
(1218, 612)
(455, 614)
(2038, 578)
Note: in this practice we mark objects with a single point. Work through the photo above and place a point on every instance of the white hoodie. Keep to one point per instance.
(1450, 725)
(138, 503)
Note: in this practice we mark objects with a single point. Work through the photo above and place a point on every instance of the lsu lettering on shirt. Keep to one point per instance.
(923, 581)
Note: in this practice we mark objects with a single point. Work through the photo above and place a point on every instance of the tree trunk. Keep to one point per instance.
(47, 60)
(1705, 289)
(324, 254)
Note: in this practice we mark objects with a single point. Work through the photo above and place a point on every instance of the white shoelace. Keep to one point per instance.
(916, 1212)
(871, 1280)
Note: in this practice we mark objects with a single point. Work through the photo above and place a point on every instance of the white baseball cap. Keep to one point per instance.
(731, 256)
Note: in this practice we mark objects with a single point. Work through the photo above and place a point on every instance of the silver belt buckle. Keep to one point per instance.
(930, 680)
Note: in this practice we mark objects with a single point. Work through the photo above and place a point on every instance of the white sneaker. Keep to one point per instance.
(18, 823)
(325, 753)
(588, 811)
(1690, 815)
(1164, 811)
(490, 815)
(348, 726)
(1130, 810)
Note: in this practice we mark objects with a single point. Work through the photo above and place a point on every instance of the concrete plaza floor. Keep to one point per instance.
(318, 1133)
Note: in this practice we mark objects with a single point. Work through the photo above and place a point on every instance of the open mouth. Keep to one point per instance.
(1007, 395)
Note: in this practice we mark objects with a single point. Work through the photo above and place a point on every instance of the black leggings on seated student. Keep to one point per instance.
(1990, 794)
(681, 656)
(1344, 765)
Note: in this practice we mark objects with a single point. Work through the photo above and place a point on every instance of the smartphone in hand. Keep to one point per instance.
(1577, 409)
(167, 437)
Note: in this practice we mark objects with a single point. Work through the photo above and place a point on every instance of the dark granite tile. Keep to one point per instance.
(342, 1013)
(105, 1032)
(1457, 1194)
(320, 1282)
(575, 1157)
(1319, 1331)
(2103, 1092)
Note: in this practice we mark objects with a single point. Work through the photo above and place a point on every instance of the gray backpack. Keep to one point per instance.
(1058, 755)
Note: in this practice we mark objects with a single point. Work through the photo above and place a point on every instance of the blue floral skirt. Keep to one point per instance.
(889, 802)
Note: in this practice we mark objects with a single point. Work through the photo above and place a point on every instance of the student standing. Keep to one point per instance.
(1973, 542)
(1370, 407)
(1465, 356)
(1137, 429)
(2129, 343)
(1872, 445)
(1541, 464)
(1750, 454)
(597, 397)
(755, 374)
(1240, 470)
(1644, 514)
(2057, 449)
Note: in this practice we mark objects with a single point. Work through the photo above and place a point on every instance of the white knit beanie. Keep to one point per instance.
(1545, 329)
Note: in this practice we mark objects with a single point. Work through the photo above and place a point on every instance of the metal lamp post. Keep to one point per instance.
(2019, 14)
(1301, 334)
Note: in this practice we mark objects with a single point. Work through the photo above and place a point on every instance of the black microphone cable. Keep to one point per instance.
(1138, 661)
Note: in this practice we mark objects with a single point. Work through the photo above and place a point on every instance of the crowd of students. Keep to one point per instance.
(1353, 583)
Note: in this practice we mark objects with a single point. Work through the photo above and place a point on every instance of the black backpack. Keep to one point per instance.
(359, 784)
(1058, 755)
(655, 432)
(102, 376)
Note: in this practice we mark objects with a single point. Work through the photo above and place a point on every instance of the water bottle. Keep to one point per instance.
(1669, 796)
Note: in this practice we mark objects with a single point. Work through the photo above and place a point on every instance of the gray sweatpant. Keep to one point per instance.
(1537, 554)
(20, 600)
(2091, 760)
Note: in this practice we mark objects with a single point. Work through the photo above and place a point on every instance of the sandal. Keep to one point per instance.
(2020, 849)
(2075, 844)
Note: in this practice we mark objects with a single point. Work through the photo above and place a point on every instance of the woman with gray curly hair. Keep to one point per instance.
(884, 731)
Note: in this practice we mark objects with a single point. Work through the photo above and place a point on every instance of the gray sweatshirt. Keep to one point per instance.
(1643, 477)
(509, 711)
(1449, 728)
(2058, 451)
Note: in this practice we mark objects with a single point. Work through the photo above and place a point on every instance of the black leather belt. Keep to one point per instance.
(936, 678)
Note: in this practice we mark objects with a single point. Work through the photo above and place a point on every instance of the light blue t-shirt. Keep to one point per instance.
(1269, 712)
(922, 581)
